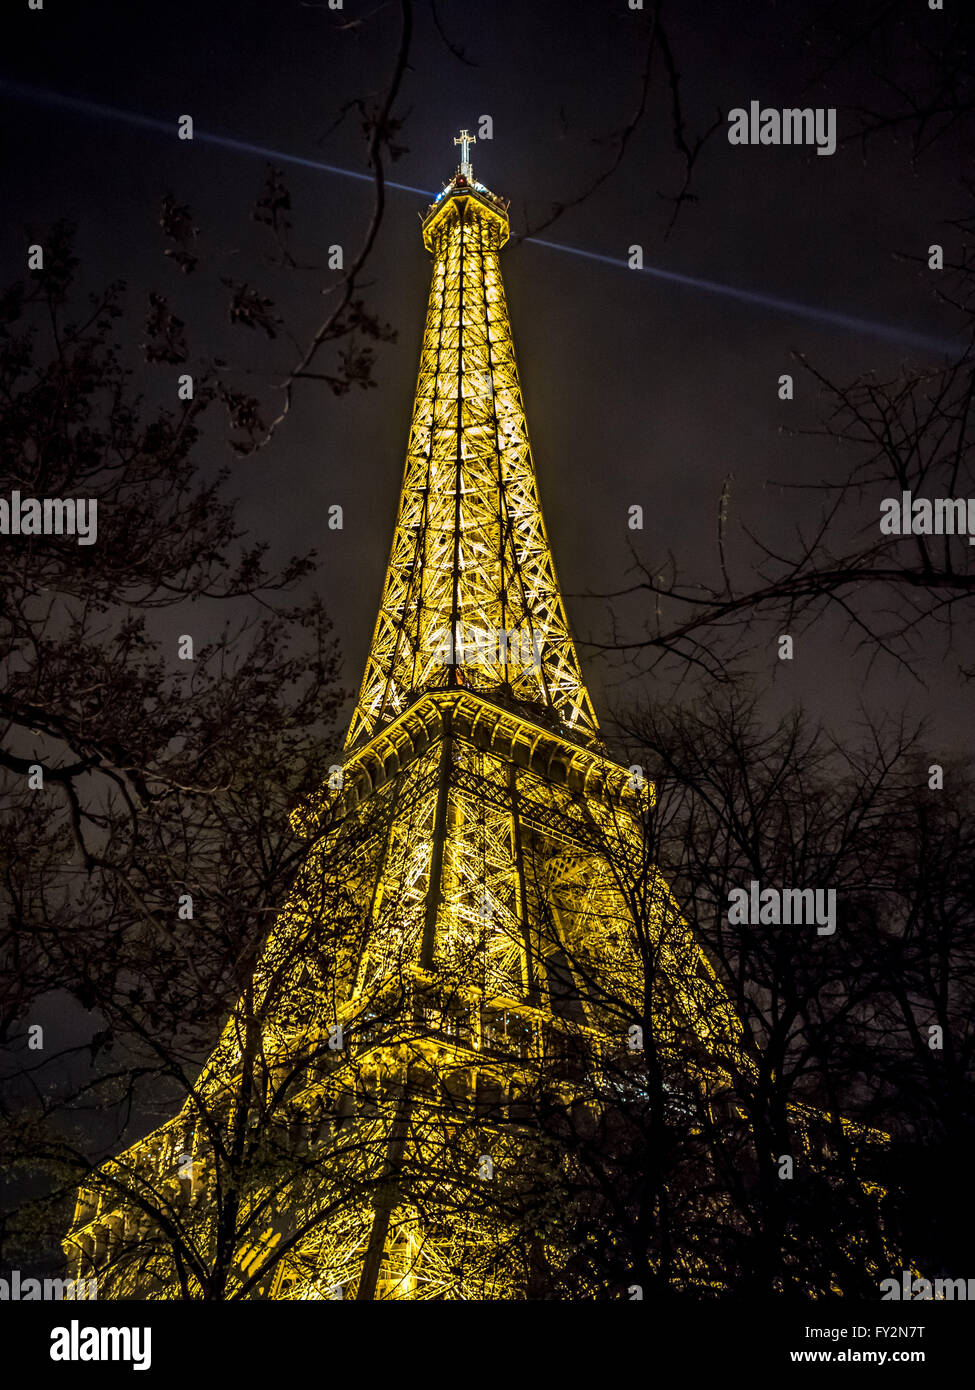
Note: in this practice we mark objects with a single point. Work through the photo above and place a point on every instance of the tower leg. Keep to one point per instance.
(385, 1202)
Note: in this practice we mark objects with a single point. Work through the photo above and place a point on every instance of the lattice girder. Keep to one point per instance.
(470, 558)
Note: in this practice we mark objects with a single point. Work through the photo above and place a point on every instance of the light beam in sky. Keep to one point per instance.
(891, 333)
(43, 97)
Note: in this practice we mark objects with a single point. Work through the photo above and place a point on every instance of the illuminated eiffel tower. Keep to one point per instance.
(460, 941)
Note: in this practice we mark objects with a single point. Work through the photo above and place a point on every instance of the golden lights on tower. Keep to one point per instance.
(465, 934)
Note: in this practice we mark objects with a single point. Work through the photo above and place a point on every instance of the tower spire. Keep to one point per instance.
(465, 141)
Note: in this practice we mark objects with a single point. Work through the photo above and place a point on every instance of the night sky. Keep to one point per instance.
(638, 390)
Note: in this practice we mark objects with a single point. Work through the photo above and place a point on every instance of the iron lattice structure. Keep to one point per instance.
(471, 595)
(467, 943)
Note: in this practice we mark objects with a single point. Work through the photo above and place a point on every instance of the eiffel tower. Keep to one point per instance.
(459, 947)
